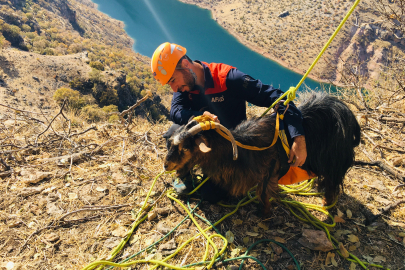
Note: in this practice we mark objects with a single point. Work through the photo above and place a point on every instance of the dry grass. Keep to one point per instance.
(110, 156)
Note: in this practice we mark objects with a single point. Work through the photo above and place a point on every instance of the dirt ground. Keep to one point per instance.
(58, 214)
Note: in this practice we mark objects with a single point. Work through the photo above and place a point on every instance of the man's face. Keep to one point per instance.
(181, 81)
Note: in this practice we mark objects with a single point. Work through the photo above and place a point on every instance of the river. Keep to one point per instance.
(152, 22)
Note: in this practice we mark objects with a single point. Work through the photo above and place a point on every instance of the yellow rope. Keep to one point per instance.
(207, 123)
(291, 92)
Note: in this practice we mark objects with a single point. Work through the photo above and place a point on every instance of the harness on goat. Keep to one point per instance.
(287, 174)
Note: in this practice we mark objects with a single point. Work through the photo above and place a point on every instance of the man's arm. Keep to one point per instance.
(259, 94)
(180, 111)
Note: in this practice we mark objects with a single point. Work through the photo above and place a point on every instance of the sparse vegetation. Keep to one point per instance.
(74, 98)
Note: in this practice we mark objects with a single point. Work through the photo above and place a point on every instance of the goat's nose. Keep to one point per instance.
(165, 166)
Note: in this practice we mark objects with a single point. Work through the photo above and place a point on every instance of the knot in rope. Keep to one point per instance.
(205, 122)
(290, 94)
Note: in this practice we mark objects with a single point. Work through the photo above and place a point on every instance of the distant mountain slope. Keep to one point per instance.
(54, 34)
(294, 32)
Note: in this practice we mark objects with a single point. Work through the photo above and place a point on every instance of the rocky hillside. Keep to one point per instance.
(294, 32)
(48, 45)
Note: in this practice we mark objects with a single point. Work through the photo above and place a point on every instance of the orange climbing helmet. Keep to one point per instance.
(164, 61)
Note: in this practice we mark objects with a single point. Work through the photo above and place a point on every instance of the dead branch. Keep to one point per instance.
(373, 143)
(6, 173)
(34, 233)
(73, 157)
(5, 164)
(130, 109)
(92, 209)
(84, 131)
(391, 206)
(53, 119)
(391, 149)
(382, 166)
(392, 119)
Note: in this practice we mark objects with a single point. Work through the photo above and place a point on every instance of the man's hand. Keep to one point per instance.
(213, 116)
(298, 151)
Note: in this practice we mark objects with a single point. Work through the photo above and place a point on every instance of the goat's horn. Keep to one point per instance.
(194, 130)
(191, 132)
(227, 132)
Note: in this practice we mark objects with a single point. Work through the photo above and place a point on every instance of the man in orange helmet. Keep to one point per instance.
(219, 91)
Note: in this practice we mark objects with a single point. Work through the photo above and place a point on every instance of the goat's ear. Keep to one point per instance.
(202, 144)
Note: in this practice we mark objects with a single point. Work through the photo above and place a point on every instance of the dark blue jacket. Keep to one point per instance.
(225, 93)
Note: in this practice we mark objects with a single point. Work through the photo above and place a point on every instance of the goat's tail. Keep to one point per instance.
(331, 133)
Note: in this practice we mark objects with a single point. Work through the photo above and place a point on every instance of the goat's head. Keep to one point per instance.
(184, 148)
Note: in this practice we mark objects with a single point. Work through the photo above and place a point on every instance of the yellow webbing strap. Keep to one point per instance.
(207, 123)
(291, 92)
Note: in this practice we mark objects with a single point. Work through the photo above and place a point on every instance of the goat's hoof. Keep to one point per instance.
(263, 212)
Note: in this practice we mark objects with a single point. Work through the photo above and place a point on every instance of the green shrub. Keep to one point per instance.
(25, 28)
(29, 16)
(74, 98)
(3, 42)
(77, 83)
(154, 112)
(48, 51)
(108, 97)
(110, 108)
(96, 65)
(95, 75)
(113, 118)
(93, 113)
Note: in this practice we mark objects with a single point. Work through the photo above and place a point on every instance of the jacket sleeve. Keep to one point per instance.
(263, 95)
(180, 111)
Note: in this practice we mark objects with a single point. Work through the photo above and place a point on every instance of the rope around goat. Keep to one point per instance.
(305, 215)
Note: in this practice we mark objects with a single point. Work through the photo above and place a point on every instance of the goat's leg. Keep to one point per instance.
(266, 190)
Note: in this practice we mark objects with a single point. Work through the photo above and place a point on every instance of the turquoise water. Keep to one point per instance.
(152, 22)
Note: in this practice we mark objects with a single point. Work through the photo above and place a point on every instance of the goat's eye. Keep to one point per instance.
(185, 149)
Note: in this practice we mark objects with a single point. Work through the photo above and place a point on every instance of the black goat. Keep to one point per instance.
(331, 133)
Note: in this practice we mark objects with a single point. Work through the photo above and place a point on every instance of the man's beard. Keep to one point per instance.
(189, 80)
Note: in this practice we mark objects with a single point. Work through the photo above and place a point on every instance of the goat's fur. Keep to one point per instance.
(331, 133)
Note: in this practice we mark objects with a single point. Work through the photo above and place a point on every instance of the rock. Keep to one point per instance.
(125, 189)
(31, 176)
(112, 242)
(315, 240)
(52, 197)
(10, 123)
(398, 162)
(162, 211)
(12, 266)
(52, 208)
(168, 246)
(163, 228)
(185, 231)
(284, 14)
(52, 237)
(152, 215)
(35, 78)
(118, 178)
(31, 191)
(120, 232)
